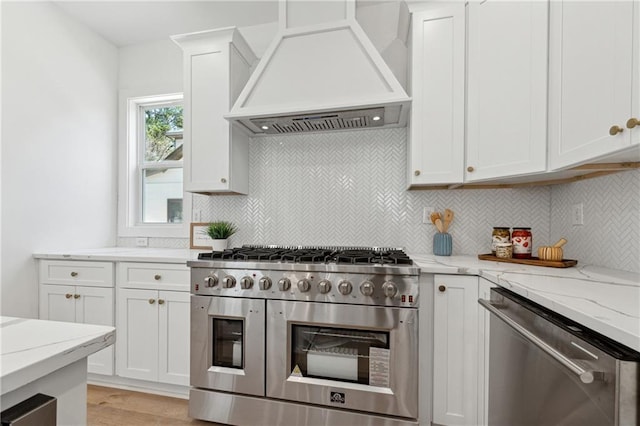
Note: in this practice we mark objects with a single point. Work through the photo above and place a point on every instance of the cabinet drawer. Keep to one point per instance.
(160, 276)
(72, 272)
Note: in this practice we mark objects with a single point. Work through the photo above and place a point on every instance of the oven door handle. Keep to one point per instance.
(585, 376)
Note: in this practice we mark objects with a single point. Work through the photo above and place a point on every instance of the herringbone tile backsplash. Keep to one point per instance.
(349, 188)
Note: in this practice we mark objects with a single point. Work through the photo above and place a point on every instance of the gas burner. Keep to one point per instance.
(393, 257)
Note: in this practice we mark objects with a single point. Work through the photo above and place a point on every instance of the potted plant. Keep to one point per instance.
(219, 232)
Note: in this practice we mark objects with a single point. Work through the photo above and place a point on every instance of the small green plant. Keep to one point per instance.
(221, 230)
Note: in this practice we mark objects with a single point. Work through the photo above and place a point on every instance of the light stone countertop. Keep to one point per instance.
(605, 300)
(31, 349)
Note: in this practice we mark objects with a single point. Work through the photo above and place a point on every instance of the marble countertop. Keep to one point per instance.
(126, 254)
(31, 349)
(605, 300)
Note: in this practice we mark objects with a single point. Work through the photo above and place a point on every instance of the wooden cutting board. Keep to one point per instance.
(534, 261)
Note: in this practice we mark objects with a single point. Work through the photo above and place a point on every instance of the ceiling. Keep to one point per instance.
(131, 22)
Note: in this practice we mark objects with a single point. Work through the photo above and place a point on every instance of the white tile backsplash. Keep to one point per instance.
(349, 188)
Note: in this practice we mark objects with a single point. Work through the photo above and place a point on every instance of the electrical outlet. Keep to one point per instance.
(142, 241)
(577, 214)
(426, 214)
(197, 215)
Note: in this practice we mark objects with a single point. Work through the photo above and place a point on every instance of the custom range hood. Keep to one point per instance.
(323, 73)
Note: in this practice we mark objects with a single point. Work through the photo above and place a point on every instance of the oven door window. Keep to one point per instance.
(349, 355)
(228, 343)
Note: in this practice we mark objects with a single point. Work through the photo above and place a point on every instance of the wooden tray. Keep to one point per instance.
(535, 261)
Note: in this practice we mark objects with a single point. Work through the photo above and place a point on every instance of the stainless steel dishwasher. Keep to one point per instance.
(545, 369)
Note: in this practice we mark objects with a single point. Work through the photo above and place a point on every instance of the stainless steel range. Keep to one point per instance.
(304, 336)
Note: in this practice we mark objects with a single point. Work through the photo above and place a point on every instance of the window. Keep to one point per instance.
(152, 202)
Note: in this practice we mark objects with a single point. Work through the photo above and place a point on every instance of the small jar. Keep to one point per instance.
(504, 250)
(522, 243)
(499, 235)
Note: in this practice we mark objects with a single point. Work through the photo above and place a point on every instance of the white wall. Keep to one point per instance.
(59, 104)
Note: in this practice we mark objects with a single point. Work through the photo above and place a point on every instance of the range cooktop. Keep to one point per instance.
(335, 255)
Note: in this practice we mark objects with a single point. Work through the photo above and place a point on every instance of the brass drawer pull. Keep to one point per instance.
(74, 274)
(614, 130)
(152, 301)
(417, 173)
(470, 169)
(442, 289)
(76, 296)
(157, 277)
(68, 295)
(160, 301)
(632, 122)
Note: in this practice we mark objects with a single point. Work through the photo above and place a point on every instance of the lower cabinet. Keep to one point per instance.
(153, 335)
(86, 305)
(461, 350)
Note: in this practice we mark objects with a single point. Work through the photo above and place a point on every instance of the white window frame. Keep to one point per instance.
(130, 186)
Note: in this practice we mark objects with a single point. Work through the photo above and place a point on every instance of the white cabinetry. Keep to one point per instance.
(484, 290)
(506, 89)
(81, 292)
(436, 147)
(455, 357)
(217, 64)
(153, 322)
(593, 78)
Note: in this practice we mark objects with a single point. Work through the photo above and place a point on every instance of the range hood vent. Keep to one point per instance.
(339, 120)
(322, 73)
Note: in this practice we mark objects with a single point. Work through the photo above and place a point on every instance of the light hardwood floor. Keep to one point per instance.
(118, 407)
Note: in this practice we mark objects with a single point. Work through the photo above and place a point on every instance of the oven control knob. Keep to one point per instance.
(211, 281)
(324, 286)
(229, 281)
(284, 284)
(389, 289)
(344, 287)
(265, 283)
(246, 283)
(366, 288)
(304, 285)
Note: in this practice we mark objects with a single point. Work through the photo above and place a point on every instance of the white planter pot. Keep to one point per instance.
(219, 245)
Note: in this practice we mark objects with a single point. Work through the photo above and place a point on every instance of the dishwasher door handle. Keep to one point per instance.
(585, 376)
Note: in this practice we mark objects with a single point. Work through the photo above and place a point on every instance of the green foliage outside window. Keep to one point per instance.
(159, 122)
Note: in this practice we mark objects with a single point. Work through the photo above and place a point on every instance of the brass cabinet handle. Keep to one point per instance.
(74, 274)
(152, 301)
(223, 180)
(632, 122)
(76, 296)
(417, 173)
(442, 288)
(160, 301)
(157, 277)
(68, 295)
(614, 130)
(470, 169)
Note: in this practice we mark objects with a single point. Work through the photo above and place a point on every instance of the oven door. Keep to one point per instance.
(355, 357)
(227, 344)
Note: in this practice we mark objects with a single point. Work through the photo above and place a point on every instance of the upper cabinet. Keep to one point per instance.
(506, 89)
(436, 148)
(217, 64)
(593, 74)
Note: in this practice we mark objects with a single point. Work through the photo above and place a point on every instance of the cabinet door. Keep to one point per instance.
(57, 303)
(590, 74)
(137, 328)
(484, 292)
(174, 315)
(94, 305)
(206, 98)
(455, 347)
(507, 89)
(436, 149)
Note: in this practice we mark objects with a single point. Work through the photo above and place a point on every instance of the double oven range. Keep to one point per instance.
(304, 336)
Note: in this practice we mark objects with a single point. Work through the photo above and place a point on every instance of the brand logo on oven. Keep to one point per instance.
(337, 397)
